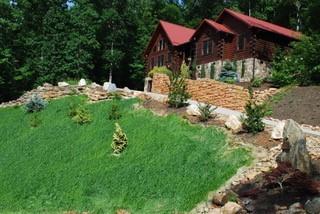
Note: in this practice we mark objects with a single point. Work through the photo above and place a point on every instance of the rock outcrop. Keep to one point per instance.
(294, 148)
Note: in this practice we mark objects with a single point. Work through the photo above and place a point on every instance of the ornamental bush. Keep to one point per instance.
(178, 94)
(185, 71)
(114, 113)
(35, 104)
(79, 113)
(206, 112)
(254, 114)
(119, 140)
(160, 70)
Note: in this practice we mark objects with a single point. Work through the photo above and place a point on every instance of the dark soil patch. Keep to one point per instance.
(301, 104)
(262, 139)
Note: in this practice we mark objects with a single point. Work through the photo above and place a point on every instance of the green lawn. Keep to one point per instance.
(169, 165)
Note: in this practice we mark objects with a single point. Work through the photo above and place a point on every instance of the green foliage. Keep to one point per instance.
(254, 114)
(300, 65)
(243, 68)
(79, 113)
(206, 112)
(228, 66)
(212, 71)
(35, 104)
(119, 140)
(114, 113)
(257, 82)
(229, 80)
(160, 70)
(185, 71)
(178, 94)
(202, 72)
(116, 96)
(60, 165)
(35, 121)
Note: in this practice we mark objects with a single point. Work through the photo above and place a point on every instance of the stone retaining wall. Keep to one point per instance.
(208, 91)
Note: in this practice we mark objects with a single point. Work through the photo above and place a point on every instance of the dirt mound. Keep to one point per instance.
(301, 104)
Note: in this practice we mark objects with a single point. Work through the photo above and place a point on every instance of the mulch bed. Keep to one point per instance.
(301, 104)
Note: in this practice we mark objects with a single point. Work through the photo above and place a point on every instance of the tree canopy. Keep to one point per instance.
(55, 40)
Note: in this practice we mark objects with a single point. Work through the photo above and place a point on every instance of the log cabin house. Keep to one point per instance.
(248, 42)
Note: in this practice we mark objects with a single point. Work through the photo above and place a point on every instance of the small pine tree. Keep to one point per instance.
(178, 94)
(255, 112)
(119, 140)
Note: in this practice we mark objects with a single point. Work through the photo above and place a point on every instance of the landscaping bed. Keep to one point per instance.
(169, 165)
(301, 104)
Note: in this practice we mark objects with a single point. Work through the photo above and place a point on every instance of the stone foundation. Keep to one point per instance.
(262, 69)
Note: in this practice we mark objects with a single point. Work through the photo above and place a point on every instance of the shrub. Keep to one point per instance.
(160, 70)
(202, 72)
(300, 65)
(119, 140)
(255, 112)
(185, 71)
(115, 96)
(178, 94)
(35, 121)
(114, 113)
(79, 114)
(212, 71)
(228, 73)
(257, 82)
(35, 104)
(206, 112)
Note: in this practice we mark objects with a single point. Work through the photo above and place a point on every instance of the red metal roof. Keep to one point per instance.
(217, 26)
(263, 24)
(177, 34)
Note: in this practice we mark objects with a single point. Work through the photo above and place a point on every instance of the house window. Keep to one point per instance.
(240, 42)
(160, 60)
(207, 47)
(162, 45)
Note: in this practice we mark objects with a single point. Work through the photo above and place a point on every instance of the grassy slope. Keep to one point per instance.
(169, 165)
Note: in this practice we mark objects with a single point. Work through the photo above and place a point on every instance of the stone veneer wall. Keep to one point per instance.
(262, 69)
(207, 91)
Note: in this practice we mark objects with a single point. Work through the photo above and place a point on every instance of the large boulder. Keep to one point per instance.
(294, 149)
(313, 206)
(109, 87)
(193, 110)
(277, 131)
(82, 83)
(234, 124)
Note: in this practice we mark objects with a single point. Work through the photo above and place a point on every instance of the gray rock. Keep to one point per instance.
(109, 87)
(193, 110)
(95, 85)
(220, 198)
(63, 84)
(234, 124)
(296, 208)
(277, 131)
(294, 149)
(313, 206)
(231, 208)
(82, 82)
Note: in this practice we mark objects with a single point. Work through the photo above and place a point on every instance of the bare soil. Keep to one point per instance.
(261, 139)
(301, 104)
(263, 86)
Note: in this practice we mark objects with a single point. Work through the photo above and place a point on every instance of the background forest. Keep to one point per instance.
(57, 40)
